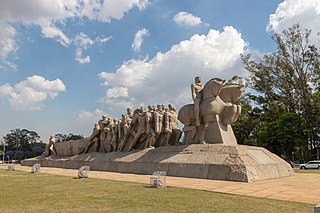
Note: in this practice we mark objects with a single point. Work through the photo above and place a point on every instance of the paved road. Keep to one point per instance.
(303, 188)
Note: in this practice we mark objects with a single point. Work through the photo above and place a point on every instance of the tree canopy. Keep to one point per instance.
(287, 96)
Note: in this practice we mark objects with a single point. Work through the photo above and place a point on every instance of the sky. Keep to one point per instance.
(65, 63)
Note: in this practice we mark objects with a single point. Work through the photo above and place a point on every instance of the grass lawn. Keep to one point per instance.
(28, 192)
(313, 171)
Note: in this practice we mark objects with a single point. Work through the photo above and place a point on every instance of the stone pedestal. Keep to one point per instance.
(216, 133)
(207, 161)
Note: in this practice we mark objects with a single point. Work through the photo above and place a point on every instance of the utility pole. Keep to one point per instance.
(4, 151)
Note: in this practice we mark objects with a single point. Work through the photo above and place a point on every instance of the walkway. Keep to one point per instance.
(303, 188)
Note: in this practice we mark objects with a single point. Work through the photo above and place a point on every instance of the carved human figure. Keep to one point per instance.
(196, 92)
(171, 121)
(114, 133)
(158, 119)
(152, 136)
(125, 128)
(141, 120)
(50, 147)
(94, 138)
(106, 144)
(102, 124)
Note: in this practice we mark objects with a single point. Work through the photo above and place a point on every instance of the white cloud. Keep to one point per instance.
(81, 59)
(90, 116)
(184, 18)
(290, 12)
(51, 16)
(50, 31)
(116, 92)
(167, 76)
(31, 93)
(7, 42)
(83, 42)
(115, 9)
(138, 39)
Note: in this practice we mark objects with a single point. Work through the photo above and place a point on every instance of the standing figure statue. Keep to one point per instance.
(50, 147)
(108, 131)
(196, 92)
(171, 123)
(152, 136)
(103, 136)
(125, 128)
(94, 139)
(141, 120)
(158, 119)
(114, 133)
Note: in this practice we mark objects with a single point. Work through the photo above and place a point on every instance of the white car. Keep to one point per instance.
(310, 165)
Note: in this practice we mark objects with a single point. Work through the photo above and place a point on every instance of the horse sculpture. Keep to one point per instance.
(218, 111)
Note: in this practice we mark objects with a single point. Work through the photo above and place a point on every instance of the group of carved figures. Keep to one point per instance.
(208, 120)
(138, 129)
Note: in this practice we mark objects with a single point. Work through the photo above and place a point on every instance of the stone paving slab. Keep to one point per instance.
(303, 188)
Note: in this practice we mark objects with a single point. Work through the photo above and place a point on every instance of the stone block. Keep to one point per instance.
(35, 168)
(158, 179)
(11, 167)
(83, 172)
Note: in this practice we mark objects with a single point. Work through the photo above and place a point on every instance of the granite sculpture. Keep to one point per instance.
(143, 141)
(138, 129)
(209, 119)
(50, 147)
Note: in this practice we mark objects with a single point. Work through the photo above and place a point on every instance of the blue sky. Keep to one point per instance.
(63, 64)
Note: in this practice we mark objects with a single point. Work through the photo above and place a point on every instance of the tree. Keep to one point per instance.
(248, 122)
(288, 80)
(63, 137)
(22, 140)
(284, 135)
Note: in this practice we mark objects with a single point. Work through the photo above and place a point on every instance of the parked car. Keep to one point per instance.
(314, 164)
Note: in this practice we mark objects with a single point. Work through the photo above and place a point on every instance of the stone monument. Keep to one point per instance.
(50, 147)
(143, 141)
(209, 119)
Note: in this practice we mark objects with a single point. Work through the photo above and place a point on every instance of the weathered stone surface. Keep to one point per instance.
(11, 167)
(35, 168)
(83, 172)
(216, 104)
(207, 161)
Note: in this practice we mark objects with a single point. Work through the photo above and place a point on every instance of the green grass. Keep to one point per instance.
(28, 192)
(312, 171)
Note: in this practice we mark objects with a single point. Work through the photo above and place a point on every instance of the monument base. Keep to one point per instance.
(206, 161)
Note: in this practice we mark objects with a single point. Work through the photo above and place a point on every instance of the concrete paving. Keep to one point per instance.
(303, 188)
